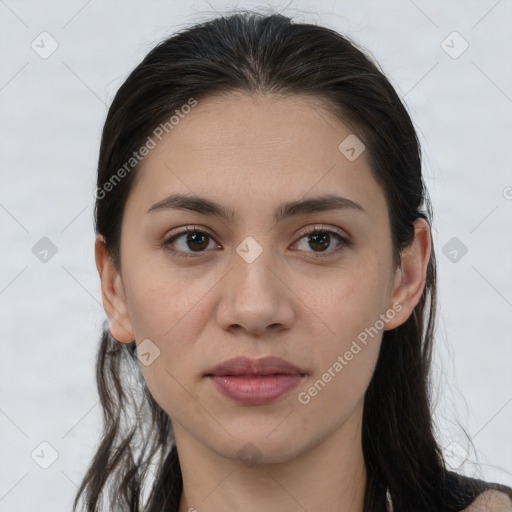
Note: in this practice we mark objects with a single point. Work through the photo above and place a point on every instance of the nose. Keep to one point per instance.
(255, 296)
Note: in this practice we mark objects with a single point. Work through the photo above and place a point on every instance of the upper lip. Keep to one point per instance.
(253, 367)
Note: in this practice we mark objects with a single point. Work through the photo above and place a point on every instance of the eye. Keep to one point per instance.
(189, 243)
(194, 239)
(320, 239)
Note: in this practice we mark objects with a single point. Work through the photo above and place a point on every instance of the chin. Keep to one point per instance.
(253, 452)
(254, 445)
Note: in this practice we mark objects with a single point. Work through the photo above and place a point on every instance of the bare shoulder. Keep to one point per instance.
(491, 501)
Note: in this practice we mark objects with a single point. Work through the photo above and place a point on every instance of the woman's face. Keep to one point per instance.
(254, 283)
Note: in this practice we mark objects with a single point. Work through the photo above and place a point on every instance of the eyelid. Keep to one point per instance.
(324, 227)
(191, 228)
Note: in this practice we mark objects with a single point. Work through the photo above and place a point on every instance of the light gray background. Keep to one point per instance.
(52, 111)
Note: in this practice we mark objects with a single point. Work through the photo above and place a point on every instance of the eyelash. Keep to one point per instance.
(343, 242)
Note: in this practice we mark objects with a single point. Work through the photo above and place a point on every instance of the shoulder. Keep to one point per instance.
(491, 501)
(475, 495)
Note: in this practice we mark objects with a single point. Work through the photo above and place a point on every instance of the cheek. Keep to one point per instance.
(162, 299)
(344, 362)
(350, 301)
(170, 387)
(346, 358)
(166, 307)
(350, 308)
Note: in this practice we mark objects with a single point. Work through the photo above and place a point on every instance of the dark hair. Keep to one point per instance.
(269, 54)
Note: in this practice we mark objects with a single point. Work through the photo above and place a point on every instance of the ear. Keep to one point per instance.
(410, 276)
(112, 294)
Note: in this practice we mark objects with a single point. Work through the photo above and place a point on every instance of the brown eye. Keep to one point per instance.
(197, 241)
(189, 242)
(321, 241)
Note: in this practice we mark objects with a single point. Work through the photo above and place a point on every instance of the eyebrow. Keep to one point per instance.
(206, 206)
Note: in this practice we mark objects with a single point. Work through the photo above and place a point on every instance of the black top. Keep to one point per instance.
(464, 488)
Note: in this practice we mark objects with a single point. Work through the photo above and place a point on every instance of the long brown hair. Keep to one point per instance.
(258, 53)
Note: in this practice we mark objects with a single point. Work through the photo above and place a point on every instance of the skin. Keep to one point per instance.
(491, 501)
(253, 153)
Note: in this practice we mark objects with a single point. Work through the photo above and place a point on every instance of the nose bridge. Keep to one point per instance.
(253, 297)
(254, 262)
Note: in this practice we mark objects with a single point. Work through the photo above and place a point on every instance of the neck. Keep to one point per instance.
(328, 476)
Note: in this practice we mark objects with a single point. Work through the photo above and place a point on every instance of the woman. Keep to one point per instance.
(267, 269)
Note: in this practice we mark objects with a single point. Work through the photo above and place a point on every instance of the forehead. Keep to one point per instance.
(245, 126)
(256, 150)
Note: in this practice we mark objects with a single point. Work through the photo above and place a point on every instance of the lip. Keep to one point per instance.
(255, 381)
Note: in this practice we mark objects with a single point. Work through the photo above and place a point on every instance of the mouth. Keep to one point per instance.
(255, 381)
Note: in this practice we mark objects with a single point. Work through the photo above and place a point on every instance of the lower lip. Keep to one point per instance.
(255, 390)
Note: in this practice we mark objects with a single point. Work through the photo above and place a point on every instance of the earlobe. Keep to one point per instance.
(112, 294)
(410, 277)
